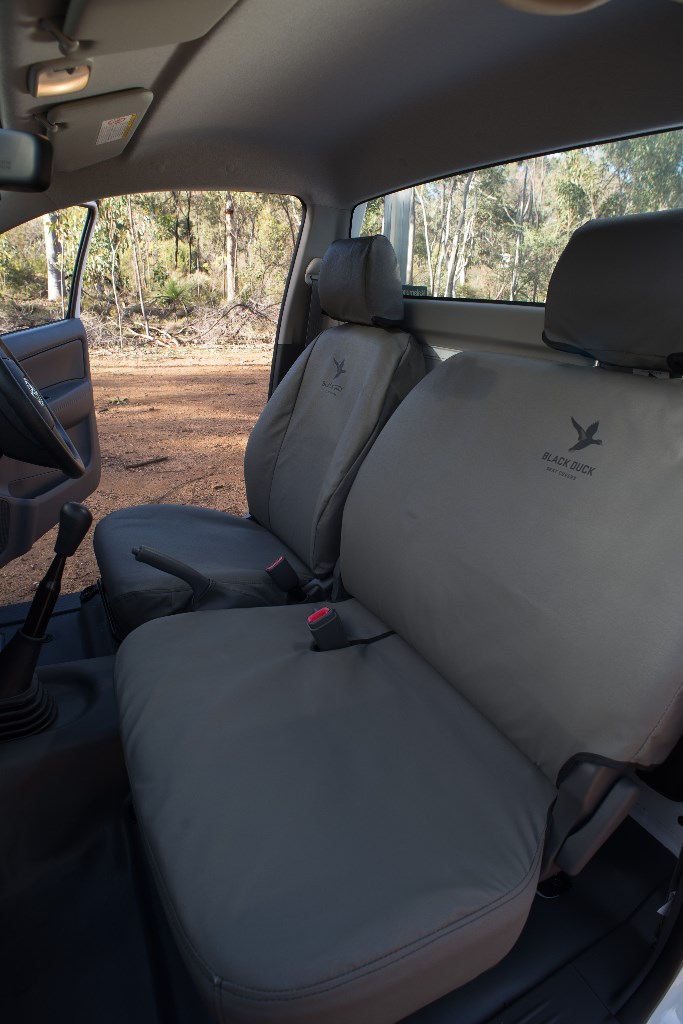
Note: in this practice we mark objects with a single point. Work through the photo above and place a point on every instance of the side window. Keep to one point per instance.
(37, 261)
(496, 233)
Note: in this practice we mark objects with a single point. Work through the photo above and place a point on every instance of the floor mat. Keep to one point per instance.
(73, 946)
(603, 927)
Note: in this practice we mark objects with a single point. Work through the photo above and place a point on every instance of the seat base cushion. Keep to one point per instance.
(337, 835)
(230, 549)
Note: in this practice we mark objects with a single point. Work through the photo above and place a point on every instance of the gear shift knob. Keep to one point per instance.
(74, 523)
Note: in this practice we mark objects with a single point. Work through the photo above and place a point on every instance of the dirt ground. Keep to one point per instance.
(194, 410)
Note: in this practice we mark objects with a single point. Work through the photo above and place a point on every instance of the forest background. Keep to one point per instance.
(180, 268)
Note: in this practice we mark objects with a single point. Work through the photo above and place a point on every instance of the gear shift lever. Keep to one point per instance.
(24, 706)
(74, 523)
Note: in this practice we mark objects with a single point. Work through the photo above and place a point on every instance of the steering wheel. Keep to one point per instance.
(28, 429)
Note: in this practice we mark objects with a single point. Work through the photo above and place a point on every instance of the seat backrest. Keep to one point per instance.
(305, 450)
(517, 521)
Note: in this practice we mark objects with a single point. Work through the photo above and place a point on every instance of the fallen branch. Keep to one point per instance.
(150, 339)
(249, 306)
(146, 462)
(166, 334)
(178, 486)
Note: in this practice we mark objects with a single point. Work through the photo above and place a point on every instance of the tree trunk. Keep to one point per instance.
(176, 228)
(53, 255)
(420, 199)
(230, 248)
(113, 249)
(411, 239)
(136, 264)
(188, 225)
(198, 253)
(458, 237)
(519, 240)
(444, 234)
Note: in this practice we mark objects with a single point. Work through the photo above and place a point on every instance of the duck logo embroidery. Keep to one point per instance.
(586, 437)
(339, 367)
(329, 385)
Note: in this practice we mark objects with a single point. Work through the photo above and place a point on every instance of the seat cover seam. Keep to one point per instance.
(338, 981)
(289, 420)
(659, 721)
(360, 458)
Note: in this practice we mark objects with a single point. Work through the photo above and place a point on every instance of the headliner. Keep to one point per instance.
(338, 101)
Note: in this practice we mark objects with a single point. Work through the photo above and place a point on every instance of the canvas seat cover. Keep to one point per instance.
(344, 836)
(301, 458)
(317, 836)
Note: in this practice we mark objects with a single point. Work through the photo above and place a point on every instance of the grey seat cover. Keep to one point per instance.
(342, 836)
(554, 587)
(230, 549)
(301, 458)
(322, 845)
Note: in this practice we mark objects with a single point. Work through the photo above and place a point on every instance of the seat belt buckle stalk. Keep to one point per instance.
(285, 578)
(315, 590)
(327, 630)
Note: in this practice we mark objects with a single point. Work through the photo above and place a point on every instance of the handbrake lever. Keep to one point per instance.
(200, 584)
(207, 593)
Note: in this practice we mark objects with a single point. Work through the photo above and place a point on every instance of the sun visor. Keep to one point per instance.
(95, 129)
(106, 27)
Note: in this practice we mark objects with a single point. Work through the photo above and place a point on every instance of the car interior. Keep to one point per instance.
(405, 742)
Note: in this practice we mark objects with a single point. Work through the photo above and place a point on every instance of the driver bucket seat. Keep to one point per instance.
(347, 817)
(301, 458)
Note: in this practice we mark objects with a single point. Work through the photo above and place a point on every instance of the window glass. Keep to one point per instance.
(37, 261)
(497, 233)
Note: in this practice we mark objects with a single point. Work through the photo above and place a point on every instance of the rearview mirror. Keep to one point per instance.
(25, 161)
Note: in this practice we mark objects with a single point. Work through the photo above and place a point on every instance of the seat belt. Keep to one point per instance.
(315, 313)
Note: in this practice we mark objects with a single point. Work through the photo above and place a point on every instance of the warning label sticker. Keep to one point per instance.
(115, 129)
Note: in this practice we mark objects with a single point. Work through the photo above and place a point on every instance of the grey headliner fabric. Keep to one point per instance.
(310, 818)
(545, 583)
(610, 299)
(224, 547)
(303, 453)
(359, 281)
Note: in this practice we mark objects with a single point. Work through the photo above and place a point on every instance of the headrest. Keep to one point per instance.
(616, 293)
(359, 281)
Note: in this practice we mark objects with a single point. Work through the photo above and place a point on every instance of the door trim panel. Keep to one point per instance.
(56, 357)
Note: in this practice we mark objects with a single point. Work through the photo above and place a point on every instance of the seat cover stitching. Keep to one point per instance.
(659, 721)
(289, 419)
(360, 458)
(337, 981)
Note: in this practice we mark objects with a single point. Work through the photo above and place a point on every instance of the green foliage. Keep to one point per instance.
(177, 239)
(175, 291)
(374, 216)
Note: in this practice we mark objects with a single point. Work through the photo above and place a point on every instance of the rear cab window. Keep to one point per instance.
(495, 234)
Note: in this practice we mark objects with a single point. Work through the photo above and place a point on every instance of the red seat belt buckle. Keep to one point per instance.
(327, 630)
